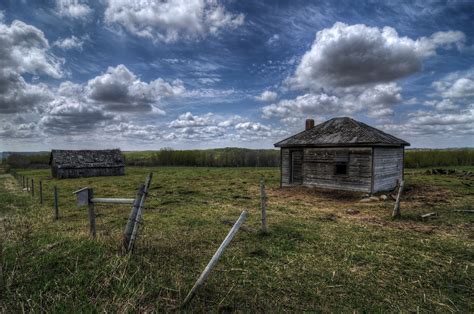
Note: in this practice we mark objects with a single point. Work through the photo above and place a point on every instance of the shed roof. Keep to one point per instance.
(107, 158)
(342, 132)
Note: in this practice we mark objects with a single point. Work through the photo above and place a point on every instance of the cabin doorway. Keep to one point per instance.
(296, 171)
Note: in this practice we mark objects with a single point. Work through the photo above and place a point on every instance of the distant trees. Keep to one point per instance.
(223, 157)
(18, 160)
(242, 157)
(439, 158)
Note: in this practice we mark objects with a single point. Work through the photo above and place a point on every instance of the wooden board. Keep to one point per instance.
(296, 167)
(319, 166)
(388, 167)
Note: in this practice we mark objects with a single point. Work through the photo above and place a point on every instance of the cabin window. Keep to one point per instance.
(341, 168)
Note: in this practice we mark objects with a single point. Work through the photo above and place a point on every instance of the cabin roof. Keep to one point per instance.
(107, 158)
(342, 132)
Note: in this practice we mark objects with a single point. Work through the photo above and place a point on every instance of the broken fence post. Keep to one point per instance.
(396, 209)
(202, 278)
(41, 192)
(91, 214)
(428, 215)
(56, 209)
(137, 219)
(32, 187)
(263, 205)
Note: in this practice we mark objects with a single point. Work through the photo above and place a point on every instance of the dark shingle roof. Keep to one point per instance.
(342, 132)
(87, 158)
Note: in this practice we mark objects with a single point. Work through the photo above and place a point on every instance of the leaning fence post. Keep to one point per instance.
(32, 187)
(56, 209)
(132, 217)
(134, 234)
(263, 205)
(396, 209)
(91, 214)
(41, 191)
(202, 278)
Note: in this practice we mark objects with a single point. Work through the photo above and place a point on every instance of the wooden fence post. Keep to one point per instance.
(41, 192)
(396, 209)
(202, 278)
(56, 209)
(27, 184)
(2, 288)
(33, 187)
(23, 181)
(91, 214)
(139, 213)
(132, 217)
(263, 205)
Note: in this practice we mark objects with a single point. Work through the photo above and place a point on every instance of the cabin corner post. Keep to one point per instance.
(281, 167)
(91, 213)
(403, 163)
(372, 175)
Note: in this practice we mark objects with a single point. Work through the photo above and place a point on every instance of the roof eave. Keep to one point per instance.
(341, 144)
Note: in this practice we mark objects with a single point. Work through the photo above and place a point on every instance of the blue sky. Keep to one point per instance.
(207, 73)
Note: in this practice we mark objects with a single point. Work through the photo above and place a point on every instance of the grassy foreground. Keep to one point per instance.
(318, 256)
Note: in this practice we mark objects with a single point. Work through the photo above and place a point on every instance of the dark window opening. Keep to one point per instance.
(341, 168)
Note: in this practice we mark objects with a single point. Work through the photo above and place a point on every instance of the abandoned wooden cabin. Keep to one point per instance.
(342, 154)
(86, 163)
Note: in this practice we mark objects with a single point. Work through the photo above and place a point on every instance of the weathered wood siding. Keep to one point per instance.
(319, 168)
(388, 167)
(285, 166)
(296, 167)
(66, 173)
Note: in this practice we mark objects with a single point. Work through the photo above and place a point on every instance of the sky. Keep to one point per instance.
(196, 74)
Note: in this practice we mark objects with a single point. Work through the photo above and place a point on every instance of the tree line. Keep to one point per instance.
(224, 157)
(439, 158)
(242, 157)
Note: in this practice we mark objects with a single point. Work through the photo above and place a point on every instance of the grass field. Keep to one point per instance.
(317, 256)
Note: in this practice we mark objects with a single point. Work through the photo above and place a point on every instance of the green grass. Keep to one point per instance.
(316, 257)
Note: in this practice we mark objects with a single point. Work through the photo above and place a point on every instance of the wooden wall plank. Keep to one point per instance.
(388, 167)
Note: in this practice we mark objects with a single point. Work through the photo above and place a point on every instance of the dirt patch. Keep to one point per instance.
(451, 172)
(428, 194)
(313, 195)
(400, 225)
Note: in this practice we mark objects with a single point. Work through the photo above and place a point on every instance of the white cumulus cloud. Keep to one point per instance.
(350, 55)
(24, 50)
(119, 89)
(74, 9)
(171, 20)
(267, 96)
(69, 43)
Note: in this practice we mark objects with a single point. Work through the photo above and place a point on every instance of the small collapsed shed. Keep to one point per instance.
(343, 154)
(86, 163)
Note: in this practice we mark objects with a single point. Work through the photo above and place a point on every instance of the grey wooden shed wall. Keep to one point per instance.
(86, 163)
(319, 168)
(87, 172)
(388, 167)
